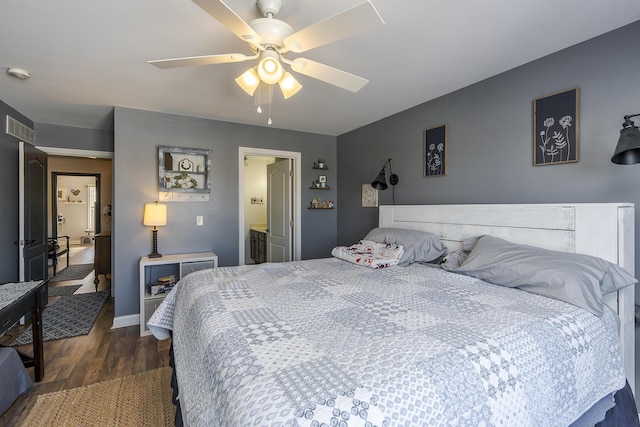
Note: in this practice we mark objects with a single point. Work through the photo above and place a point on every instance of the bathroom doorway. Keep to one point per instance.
(254, 203)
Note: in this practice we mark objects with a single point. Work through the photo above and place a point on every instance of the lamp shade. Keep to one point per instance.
(289, 85)
(248, 81)
(628, 148)
(155, 214)
(380, 183)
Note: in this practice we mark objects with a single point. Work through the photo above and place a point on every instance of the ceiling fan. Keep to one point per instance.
(271, 39)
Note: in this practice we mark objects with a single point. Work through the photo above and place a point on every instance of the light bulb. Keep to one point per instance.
(269, 122)
(259, 109)
(270, 65)
(269, 69)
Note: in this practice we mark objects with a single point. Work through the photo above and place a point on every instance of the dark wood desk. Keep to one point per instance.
(19, 305)
(102, 256)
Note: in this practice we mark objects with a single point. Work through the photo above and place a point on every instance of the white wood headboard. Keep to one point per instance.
(605, 230)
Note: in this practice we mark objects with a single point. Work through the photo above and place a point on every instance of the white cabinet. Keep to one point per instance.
(177, 265)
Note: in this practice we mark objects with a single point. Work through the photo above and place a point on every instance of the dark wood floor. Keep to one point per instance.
(101, 355)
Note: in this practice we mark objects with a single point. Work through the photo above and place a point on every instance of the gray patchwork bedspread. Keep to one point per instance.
(328, 343)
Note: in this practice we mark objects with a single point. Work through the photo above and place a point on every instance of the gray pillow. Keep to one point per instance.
(419, 246)
(456, 258)
(578, 279)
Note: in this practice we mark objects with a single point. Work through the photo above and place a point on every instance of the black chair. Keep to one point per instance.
(55, 251)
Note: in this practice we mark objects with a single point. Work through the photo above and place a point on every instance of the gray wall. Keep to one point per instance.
(136, 137)
(490, 138)
(9, 271)
(73, 137)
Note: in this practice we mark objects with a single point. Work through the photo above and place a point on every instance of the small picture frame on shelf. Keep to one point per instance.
(322, 178)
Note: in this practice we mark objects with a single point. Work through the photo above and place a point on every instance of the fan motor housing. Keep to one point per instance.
(272, 31)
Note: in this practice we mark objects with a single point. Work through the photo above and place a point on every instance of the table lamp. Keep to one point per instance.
(155, 215)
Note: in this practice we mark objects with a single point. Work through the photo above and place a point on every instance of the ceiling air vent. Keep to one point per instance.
(20, 131)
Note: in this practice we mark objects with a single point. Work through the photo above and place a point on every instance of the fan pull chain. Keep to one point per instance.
(259, 107)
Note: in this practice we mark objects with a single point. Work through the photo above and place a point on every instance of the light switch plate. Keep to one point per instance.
(199, 220)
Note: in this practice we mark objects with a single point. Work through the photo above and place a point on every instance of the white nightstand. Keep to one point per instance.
(178, 265)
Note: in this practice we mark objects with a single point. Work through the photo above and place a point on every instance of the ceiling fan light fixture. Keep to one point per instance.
(249, 81)
(289, 85)
(269, 69)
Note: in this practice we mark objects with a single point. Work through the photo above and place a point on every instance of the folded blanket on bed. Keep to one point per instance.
(370, 254)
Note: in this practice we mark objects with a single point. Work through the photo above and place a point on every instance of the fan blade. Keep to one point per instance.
(227, 17)
(201, 60)
(358, 19)
(328, 74)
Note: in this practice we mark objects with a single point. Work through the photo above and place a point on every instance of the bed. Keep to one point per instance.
(328, 342)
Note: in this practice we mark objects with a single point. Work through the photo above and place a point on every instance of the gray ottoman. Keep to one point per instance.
(15, 380)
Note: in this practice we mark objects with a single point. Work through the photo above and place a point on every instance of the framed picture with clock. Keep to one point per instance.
(184, 174)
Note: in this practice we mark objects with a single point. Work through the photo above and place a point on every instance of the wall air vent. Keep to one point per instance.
(20, 131)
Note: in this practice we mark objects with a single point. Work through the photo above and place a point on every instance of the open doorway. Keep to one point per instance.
(84, 222)
(75, 214)
(255, 205)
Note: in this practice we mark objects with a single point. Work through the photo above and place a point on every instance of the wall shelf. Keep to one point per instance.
(320, 184)
(184, 174)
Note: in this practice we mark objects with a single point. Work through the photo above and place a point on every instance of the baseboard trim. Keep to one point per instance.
(124, 321)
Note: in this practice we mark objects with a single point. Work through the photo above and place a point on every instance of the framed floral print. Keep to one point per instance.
(435, 151)
(555, 128)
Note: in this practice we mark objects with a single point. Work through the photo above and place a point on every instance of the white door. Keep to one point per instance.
(279, 222)
(32, 182)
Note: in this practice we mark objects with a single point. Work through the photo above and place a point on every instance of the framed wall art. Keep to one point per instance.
(555, 128)
(62, 193)
(435, 151)
(184, 174)
(369, 196)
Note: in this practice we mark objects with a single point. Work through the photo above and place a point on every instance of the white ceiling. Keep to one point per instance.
(87, 56)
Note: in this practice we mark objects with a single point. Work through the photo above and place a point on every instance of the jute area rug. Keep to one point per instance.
(136, 400)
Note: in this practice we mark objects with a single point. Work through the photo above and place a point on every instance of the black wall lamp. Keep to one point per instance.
(628, 148)
(380, 183)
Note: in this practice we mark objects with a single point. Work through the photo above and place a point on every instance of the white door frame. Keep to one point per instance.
(295, 199)
(21, 223)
